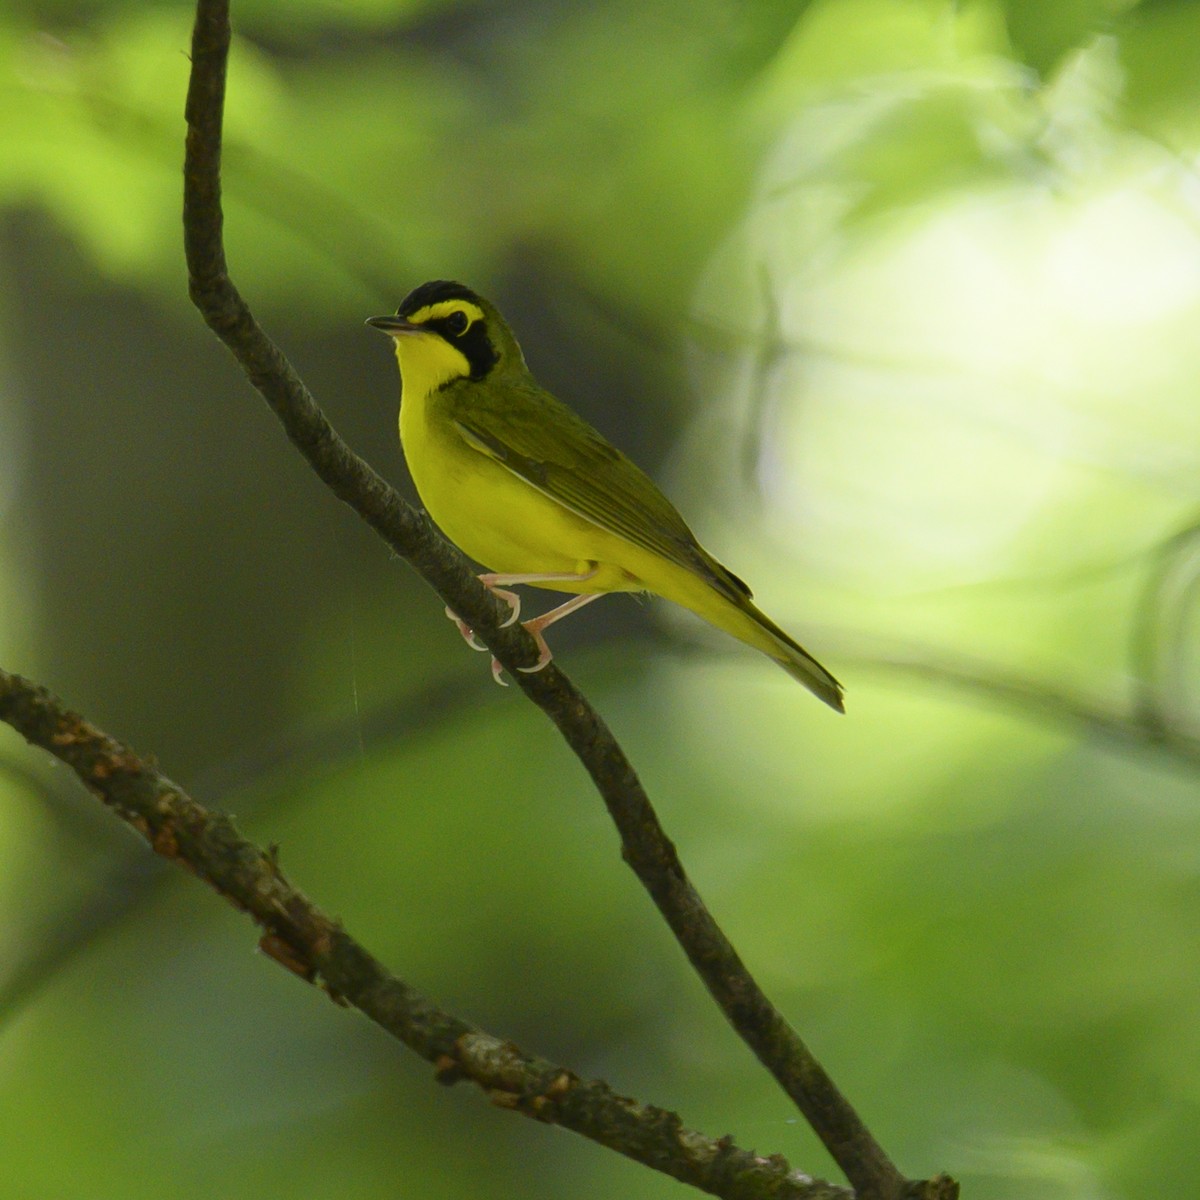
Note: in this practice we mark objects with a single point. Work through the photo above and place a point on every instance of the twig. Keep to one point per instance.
(645, 845)
(1134, 730)
(299, 936)
(1159, 629)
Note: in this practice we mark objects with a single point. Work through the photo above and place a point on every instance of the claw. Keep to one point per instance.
(544, 655)
(467, 632)
(512, 600)
(534, 627)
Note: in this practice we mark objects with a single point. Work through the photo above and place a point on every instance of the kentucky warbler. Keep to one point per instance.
(521, 484)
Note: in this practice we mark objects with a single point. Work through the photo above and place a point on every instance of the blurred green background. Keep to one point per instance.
(899, 301)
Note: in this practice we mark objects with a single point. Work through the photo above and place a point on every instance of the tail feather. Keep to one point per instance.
(795, 660)
(801, 666)
(723, 600)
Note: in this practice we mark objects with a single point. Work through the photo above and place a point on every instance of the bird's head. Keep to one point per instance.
(445, 332)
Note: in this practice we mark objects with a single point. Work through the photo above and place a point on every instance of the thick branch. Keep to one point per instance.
(645, 845)
(301, 937)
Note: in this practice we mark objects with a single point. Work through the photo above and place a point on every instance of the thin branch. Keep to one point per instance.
(317, 949)
(645, 846)
(1137, 730)
(1160, 627)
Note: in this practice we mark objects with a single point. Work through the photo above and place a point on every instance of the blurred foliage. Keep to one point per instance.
(899, 297)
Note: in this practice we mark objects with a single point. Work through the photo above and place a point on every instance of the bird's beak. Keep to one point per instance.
(393, 326)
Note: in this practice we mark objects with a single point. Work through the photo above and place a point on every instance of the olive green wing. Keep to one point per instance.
(541, 441)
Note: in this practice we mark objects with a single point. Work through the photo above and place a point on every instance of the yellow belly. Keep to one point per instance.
(505, 523)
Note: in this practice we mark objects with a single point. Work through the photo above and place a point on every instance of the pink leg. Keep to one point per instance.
(492, 582)
(513, 600)
(536, 626)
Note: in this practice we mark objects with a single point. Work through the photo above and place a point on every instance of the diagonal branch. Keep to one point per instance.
(301, 937)
(645, 845)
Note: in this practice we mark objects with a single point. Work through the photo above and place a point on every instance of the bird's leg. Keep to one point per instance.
(510, 598)
(534, 629)
(492, 581)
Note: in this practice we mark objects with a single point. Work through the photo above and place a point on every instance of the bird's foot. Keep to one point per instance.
(510, 598)
(534, 629)
(468, 634)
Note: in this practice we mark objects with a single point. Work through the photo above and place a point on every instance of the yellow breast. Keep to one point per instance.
(497, 518)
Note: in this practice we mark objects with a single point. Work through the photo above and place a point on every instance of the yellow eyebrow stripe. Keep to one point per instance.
(433, 312)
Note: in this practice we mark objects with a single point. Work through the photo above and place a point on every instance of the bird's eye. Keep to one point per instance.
(457, 323)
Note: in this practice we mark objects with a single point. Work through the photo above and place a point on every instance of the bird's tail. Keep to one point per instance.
(793, 658)
(713, 592)
(728, 606)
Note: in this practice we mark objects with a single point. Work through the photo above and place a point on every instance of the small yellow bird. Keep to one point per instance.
(522, 485)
